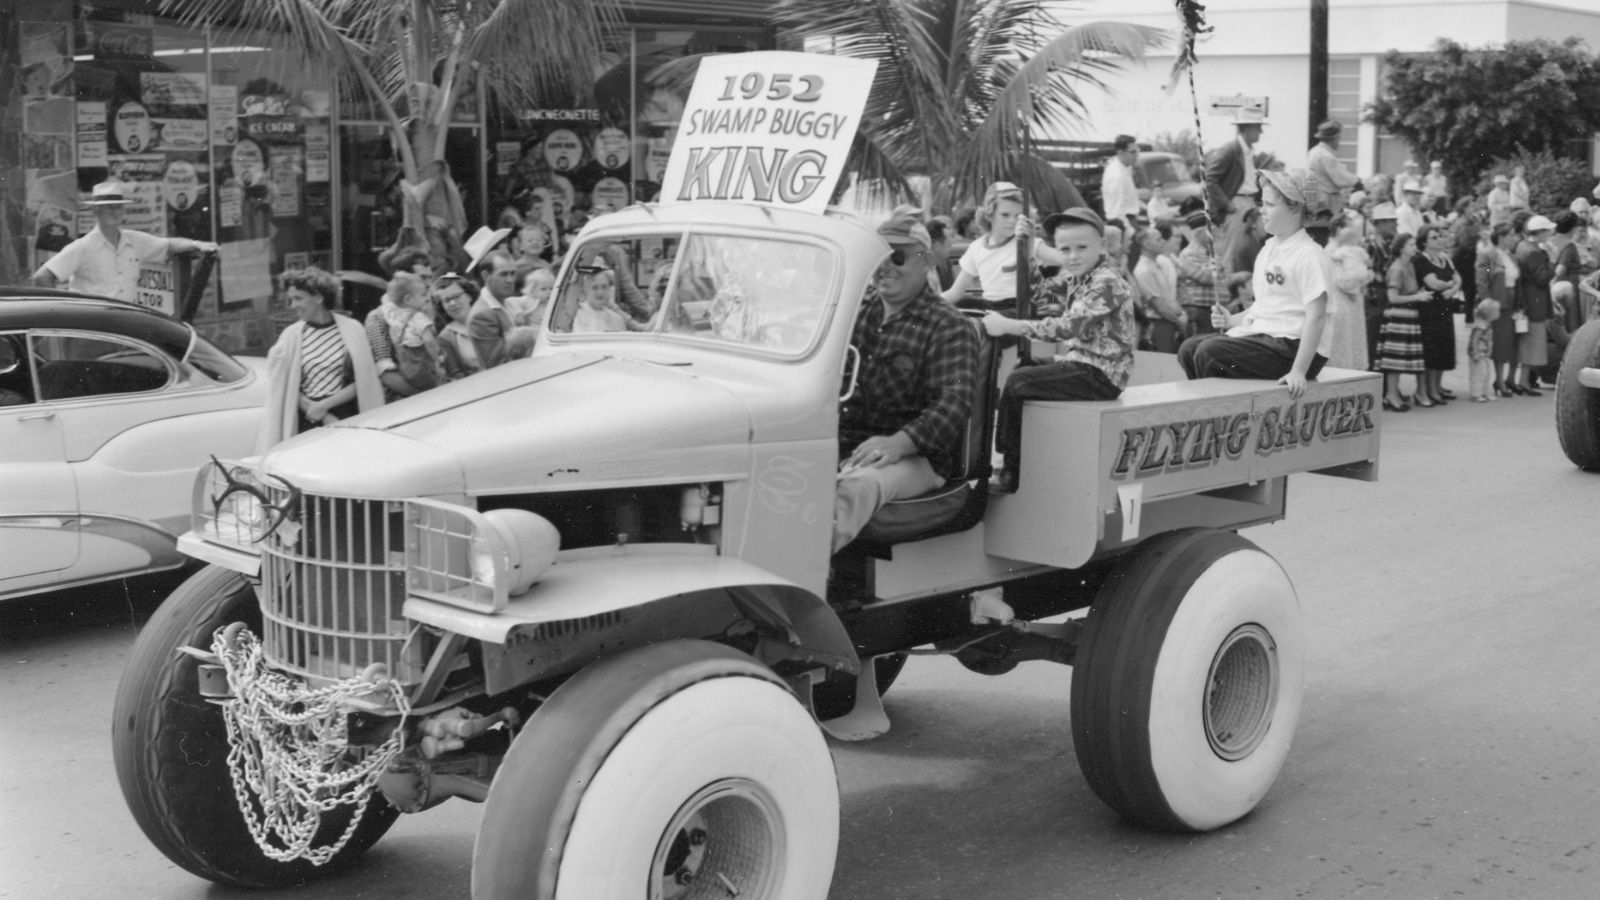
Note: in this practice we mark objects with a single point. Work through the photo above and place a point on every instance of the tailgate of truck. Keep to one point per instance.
(1099, 476)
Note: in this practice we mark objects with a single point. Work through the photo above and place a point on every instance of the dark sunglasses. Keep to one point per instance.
(898, 256)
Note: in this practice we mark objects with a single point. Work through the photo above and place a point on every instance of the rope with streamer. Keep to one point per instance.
(288, 753)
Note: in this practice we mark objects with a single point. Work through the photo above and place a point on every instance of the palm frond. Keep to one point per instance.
(529, 50)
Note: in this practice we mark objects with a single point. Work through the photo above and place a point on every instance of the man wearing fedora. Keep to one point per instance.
(1231, 178)
(1499, 200)
(106, 261)
(1332, 177)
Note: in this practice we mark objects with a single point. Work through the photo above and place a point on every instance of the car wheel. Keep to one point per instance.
(1578, 407)
(170, 746)
(1188, 683)
(684, 769)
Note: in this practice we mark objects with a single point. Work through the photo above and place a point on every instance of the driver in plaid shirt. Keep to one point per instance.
(900, 435)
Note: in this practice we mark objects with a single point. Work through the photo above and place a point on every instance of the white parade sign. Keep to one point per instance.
(770, 127)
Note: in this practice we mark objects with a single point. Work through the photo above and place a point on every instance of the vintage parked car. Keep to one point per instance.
(106, 410)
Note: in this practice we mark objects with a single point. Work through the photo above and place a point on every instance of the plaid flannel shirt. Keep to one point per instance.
(918, 372)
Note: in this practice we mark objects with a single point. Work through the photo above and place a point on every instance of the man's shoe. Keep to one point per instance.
(1004, 482)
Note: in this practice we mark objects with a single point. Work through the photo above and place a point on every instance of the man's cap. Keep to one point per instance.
(1411, 186)
(1384, 210)
(1329, 129)
(1502, 179)
(1197, 219)
(1436, 165)
(482, 241)
(1245, 115)
(107, 193)
(905, 228)
(1539, 223)
(1075, 214)
(1411, 164)
(1580, 205)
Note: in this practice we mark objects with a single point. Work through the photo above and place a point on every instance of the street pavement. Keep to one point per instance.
(1447, 746)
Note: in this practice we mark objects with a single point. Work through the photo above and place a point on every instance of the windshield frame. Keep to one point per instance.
(661, 334)
(196, 341)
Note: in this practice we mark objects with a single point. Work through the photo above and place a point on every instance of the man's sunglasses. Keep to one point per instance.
(898, 257)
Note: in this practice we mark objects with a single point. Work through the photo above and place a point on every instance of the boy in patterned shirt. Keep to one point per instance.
(1095, 332)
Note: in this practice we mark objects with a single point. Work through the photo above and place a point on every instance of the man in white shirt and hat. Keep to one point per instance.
(1333, 179)
(490, 321)
(106, 261)
(1499, 201)
(1408, 219)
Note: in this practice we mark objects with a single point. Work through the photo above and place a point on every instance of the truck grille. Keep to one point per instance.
(331, 600)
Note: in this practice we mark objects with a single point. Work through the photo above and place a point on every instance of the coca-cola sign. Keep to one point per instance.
(115, 40)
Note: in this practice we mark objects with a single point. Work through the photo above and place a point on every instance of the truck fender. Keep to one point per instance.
(587, 607)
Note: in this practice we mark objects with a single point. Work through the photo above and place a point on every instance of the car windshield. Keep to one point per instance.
(764, 293)
(212, 362)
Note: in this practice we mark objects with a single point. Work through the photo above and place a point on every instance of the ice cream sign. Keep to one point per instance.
(768, 127)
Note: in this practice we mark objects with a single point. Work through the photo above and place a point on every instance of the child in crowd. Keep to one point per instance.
(1480, 346)
(1096, 334)
(417, 353)
(528, 305)
(1282, 335)
(598, 311)
(990, 261)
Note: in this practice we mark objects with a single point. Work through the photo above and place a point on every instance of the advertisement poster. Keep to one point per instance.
(283, 174)
(181, 184)
(230, 204)
(770, 127)
(45, 65)
(319, 153)
(91, 134)
(246, 271)
(224, 114)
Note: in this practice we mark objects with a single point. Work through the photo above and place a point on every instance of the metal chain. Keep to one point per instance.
(288, 753)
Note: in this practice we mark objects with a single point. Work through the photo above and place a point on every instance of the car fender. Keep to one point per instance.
(593, 604)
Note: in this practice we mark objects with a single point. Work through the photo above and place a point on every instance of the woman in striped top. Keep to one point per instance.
(321, 368)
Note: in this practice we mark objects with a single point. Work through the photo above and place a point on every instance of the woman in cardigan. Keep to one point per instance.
(1437, 275)
(320, 370)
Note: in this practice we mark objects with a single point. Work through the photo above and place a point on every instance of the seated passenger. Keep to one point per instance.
(1095, 332)
(1282, 335)
(599, 311)
(900, 434)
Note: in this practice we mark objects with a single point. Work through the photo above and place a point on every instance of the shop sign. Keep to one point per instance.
(273, 129)
(770, 127)
(116, 40)
(156, 290)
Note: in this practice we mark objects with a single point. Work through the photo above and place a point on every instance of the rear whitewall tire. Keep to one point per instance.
(1189, 683)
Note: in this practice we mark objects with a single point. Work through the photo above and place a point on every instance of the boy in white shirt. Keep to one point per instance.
(1281, 336)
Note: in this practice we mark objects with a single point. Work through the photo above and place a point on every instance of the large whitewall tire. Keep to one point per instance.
(1188, 683)
(1577, 406)
(679, 770)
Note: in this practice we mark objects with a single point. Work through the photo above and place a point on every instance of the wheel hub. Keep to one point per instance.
(1241, 692)
(725, 841)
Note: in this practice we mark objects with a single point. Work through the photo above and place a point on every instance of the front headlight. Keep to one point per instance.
(232, 505)
(459, 556)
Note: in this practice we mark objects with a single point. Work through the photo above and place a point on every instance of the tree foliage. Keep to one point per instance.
(1470, 107)
(957, 79)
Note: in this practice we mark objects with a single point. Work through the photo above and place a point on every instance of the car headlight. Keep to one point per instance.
(233, 505)
(459, 556)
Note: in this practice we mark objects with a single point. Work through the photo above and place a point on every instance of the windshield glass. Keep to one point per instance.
(1165, 170)
(212, 362)
(764, 293)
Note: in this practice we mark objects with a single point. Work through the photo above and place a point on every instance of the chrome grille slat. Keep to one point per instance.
(333, 600)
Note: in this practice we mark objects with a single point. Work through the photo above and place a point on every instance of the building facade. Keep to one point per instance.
(236, 142)
(1260, 51)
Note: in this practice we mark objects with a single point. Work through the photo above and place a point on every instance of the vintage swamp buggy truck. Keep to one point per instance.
(385, 620)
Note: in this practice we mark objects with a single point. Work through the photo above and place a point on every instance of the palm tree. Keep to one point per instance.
(957, 80)
(414, 59)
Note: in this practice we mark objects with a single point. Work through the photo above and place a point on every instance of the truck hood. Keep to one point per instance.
(570, 420)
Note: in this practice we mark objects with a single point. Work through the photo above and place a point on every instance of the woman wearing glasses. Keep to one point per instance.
(453, 294)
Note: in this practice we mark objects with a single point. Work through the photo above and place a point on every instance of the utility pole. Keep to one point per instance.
(1318, 112)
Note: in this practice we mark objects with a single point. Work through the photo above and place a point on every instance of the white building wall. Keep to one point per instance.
(1262, 47)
